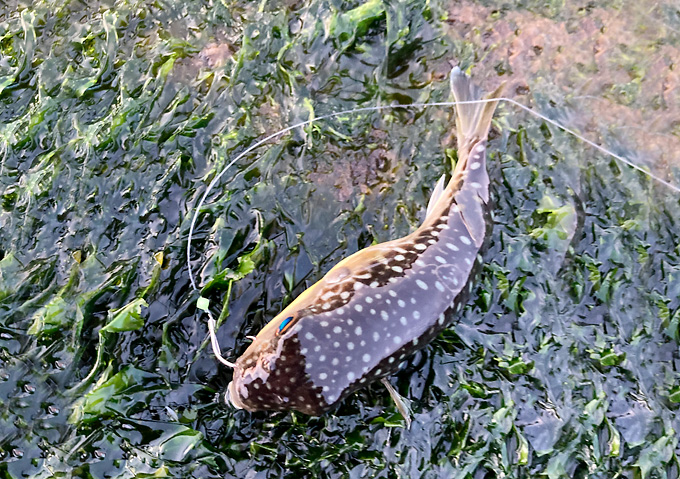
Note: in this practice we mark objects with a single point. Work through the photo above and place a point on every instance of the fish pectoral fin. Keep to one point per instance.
(436, 194)
(400, 402)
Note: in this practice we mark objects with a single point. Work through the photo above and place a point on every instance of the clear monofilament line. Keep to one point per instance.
(215, 344)
(218, 177)
(594, 145)
(384, 107)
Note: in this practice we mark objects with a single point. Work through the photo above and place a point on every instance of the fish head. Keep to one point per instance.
(270, 374)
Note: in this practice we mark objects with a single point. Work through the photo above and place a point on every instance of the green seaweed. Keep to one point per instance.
(114, 118)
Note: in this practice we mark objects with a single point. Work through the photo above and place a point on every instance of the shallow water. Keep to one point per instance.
(114, 119)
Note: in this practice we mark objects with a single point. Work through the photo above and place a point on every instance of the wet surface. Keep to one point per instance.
(113, 120)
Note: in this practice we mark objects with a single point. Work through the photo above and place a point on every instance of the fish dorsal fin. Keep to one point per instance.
(436, 194)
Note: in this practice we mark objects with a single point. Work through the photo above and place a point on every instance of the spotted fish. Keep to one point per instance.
(376, 307)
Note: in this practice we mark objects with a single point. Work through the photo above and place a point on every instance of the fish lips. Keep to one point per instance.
(233, 397)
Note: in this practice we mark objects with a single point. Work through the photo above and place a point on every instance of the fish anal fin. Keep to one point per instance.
(476, 235)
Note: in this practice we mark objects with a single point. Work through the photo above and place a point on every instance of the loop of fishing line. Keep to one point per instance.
(203, 302)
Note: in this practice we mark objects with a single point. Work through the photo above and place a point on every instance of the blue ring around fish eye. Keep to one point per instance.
(285, 323)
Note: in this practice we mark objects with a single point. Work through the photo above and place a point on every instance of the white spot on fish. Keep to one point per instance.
(376, 336)
(344, 295)
(341, 311)
(393, 293)
(443, 226)
(309, 335)
(358, 308)
(369, 300)
(366, 357)
(358, 285)
(350, 376)
(420, 262)
(421, 284)
(350, 345)
(440, 259)
(323, 376)
(474, 184)
(335, 361)
(415, 341)
(336, 344)
(435, 233)
(303, 351)
(350, 322)
(416, 315)
(441, 319)
(401, 303)
(433, 241)
(337, 330)
(358, 331)
(403, 320)
(317, 348)
(480, 148)
(397, 269)
(439, 286)
(465, 240)
(452, 246)
(475, 165)
(323, 324)
(374, 284)
(400, 257)
(393, 279)
(420, 246)
(397, 340)
(384, 315)
(372, 311)
(322, 358)
(413, 300)
(363, 276)
(468, 261)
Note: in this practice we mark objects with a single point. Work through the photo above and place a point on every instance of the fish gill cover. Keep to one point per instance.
(114, 116)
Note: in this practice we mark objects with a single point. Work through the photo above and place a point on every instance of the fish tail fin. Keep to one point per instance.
(473, 120)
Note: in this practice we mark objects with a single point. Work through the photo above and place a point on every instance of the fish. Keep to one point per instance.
(375, 308)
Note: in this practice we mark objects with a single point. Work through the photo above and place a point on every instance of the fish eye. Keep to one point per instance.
(285, 324)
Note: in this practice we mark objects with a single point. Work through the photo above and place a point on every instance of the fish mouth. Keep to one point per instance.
(232, 396)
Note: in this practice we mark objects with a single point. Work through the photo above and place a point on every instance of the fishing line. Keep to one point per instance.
(203, 302)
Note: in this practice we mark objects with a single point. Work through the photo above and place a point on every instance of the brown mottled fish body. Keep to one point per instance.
(378, 306)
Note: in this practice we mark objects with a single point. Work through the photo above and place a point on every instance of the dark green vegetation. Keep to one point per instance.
(113, 120)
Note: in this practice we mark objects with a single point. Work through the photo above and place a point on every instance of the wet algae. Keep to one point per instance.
(115, 116)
